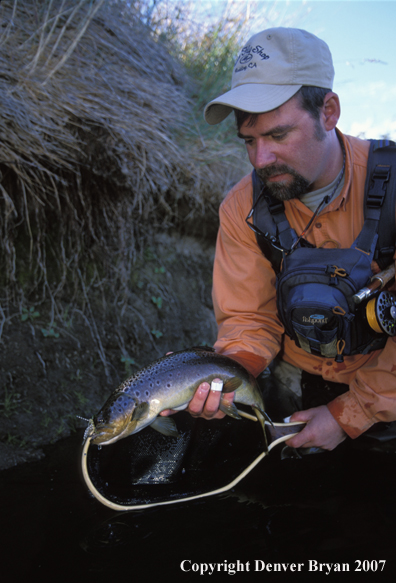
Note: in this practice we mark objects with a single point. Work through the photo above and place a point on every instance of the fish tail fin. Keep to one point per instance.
(229, 409)
(261, 416)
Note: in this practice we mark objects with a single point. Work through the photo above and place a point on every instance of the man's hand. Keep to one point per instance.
(322, 430)
(205, 403)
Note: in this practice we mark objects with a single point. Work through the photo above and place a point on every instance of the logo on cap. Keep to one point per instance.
(246, 56)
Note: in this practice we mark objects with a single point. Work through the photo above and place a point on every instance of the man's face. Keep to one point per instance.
(287, 147)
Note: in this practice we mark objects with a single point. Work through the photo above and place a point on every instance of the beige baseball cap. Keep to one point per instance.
(270, 69)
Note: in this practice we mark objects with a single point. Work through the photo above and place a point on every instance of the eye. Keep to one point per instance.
(279, 137)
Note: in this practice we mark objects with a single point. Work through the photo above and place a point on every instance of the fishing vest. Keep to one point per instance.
(315, 286)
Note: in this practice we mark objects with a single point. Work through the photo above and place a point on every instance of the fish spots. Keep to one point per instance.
(135, 403)
(121, 403)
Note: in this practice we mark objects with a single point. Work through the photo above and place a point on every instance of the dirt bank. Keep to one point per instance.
(50, 373)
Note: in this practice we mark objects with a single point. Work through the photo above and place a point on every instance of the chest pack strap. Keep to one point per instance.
(379, 210)
(270, 218)
(380, 200)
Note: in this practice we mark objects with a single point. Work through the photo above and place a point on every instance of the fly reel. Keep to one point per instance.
(381, 313)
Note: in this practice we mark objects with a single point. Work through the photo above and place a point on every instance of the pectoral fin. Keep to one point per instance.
(140, 411)
(166, 426)
(232, 385)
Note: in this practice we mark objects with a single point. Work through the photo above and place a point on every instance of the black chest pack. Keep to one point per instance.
(316, 286)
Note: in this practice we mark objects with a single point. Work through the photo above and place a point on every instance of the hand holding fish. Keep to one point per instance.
(205, 403)
(321, 429)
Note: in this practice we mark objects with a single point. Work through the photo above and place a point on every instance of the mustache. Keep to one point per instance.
(269, 171)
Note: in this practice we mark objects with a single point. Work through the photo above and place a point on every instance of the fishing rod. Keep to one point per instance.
(380, 309)
(377, 283)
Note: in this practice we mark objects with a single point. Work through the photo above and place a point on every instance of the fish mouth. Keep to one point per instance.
(114, 421)
(99, 436)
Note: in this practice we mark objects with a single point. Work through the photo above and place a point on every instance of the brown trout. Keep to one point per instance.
(170, 383)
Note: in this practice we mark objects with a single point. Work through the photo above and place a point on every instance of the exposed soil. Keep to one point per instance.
(51, 374)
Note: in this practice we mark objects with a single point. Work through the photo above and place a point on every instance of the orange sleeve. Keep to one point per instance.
(372, 393)
(252, 362)
(244, 296)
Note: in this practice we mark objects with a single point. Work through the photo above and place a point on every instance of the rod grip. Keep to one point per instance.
(377, 282)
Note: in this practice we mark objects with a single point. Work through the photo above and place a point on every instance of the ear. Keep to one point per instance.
(331, 111)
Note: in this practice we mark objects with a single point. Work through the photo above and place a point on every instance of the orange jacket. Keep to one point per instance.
(244, 298)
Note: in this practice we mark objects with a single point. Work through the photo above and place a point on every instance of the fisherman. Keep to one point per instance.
(286, 114)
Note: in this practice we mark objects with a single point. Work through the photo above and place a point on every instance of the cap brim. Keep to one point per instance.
(252, 97)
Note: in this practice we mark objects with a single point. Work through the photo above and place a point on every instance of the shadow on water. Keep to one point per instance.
(333, 507)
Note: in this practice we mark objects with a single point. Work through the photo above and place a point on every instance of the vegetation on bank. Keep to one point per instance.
(100, 144)
(105, 163)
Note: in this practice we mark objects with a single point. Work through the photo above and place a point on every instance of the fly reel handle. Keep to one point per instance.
(377, 282)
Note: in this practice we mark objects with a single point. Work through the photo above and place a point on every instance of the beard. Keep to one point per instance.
(294, 189)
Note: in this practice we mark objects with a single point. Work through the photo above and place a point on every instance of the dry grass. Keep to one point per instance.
(99, 148)
(92, 124)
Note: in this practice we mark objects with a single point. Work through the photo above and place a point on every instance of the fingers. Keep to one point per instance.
(167, 412)
(322, 430)
(206, 402)
(302, 416)
(302, 439)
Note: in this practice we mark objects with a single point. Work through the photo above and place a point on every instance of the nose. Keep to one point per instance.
(263, 156)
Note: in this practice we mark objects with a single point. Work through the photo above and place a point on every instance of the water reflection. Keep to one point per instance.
(333, 507)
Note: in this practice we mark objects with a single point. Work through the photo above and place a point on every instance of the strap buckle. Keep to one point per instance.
(376, 194)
